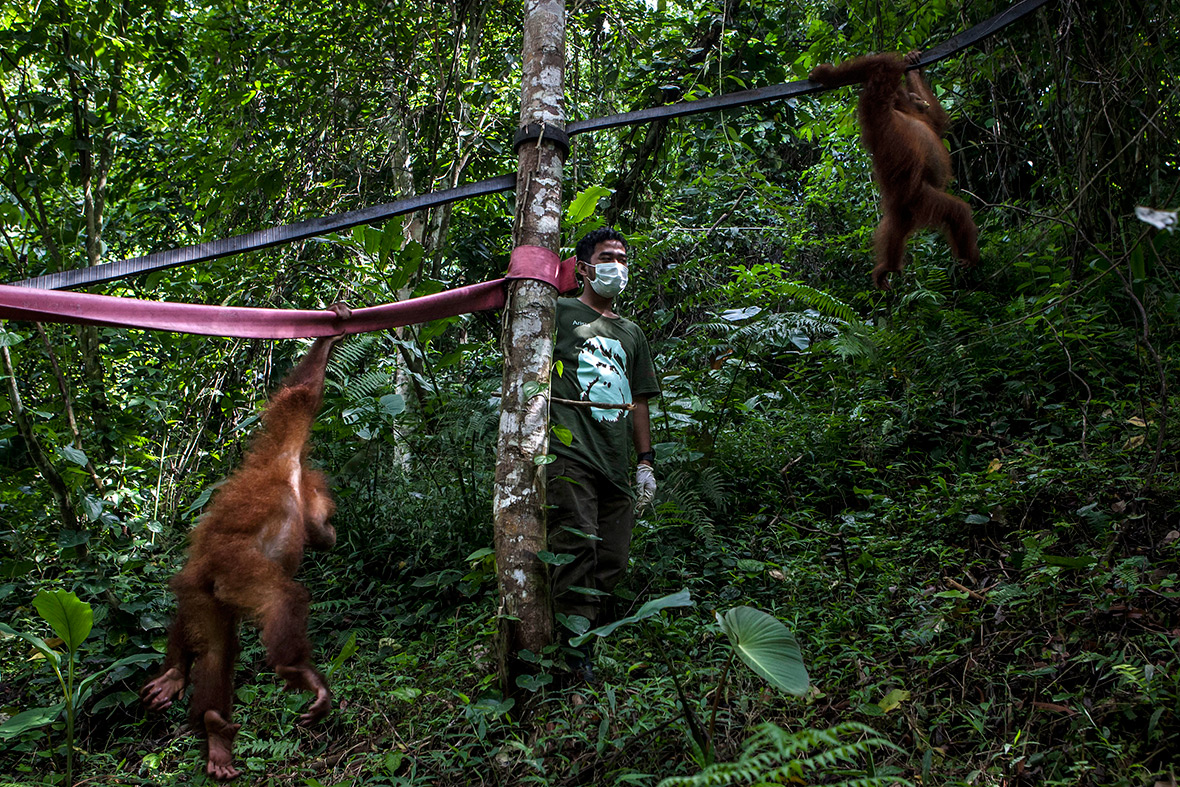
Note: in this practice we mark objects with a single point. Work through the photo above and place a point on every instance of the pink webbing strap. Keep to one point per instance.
(538, 262)
(23, 303)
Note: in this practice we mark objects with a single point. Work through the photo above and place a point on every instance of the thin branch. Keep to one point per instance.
(57, 486)
(67, 400)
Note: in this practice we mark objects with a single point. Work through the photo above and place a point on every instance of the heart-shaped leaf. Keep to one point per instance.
(767, 647)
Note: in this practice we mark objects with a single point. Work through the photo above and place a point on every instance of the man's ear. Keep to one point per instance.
(582, 267)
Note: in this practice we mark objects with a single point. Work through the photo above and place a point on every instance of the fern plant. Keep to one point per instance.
(689, 498)
(283, 750)
(774, 756)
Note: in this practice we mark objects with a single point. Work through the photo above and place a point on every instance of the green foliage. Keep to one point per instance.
(649, 609)
(72, 620)
(773, 756)
(836, 456)
(767, 647)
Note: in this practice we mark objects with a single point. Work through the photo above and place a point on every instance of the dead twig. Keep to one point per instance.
(972, 593)
(604, 405)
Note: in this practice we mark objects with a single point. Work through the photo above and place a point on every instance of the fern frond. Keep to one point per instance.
(352, 354)
(819, 300)
(771, 755)
(369, 384)
(713, 487)
(847, 752)
(277, 748)
(682, 502)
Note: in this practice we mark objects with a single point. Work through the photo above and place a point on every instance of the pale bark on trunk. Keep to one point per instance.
(519, 500)
(413, 231)
(429, 228)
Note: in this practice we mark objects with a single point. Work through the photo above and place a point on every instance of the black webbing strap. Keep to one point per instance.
(979, 32)
(802, 86)
(306, 229)
(538, 131)
(262, 239)
(682, 108)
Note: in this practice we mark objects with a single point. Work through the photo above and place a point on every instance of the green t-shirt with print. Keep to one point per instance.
(606, 360)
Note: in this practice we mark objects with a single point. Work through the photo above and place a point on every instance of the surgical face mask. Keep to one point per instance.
(609, 278)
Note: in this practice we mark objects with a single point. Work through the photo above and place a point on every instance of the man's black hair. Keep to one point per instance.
(585, 248)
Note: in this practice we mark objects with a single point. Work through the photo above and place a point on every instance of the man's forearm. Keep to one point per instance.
(641, 426)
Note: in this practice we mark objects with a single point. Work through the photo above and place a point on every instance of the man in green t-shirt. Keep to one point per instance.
(601, 397)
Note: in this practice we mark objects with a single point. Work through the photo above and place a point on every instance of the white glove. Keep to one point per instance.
(645, 485)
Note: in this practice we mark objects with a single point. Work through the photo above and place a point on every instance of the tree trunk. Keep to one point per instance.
(518, 505)
(93, 172)
(413, 231)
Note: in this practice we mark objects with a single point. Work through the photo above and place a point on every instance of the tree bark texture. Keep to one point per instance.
(519, 500)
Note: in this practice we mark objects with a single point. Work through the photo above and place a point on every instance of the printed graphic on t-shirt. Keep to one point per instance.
(602, 376)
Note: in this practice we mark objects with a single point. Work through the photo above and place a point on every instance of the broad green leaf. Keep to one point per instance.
(41, 645)
(74, 455)
(406, 693)
(562, 433)
(678, 599)
(370, 237)
(587, 591)
(393, 404)
(11, 569)
(1070, 562)
(69, 617)
(479, 554)
(88, 683)
(350, 648)
(116, 699)
(581, 534)
(435, 327)
(493, 707)
(1138, 270)
(93, 508)
(202, 499)
(72, 538)
(533, 682)
(585, 204)
(30, 719)
(390, 236)
(408, 261)
(575, 623)
(558, 559)
(767, 647)
(893, 699)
